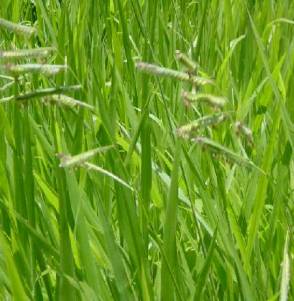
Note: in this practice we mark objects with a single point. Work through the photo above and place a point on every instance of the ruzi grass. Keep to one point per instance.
(193, 202)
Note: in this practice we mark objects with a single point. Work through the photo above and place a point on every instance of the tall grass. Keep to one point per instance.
(101, 197)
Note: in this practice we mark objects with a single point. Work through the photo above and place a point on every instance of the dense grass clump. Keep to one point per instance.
(146, 150)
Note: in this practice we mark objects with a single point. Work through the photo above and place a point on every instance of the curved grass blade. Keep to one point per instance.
(159, 244)
(94, 167)
(203, 275)
(17, 288)
(41, 93)
(169, 233)
(10, 78)
(217, 148)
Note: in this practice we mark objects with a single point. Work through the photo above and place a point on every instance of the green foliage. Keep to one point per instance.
(154, 216)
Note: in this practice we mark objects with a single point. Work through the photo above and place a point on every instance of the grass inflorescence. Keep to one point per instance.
(146, 150)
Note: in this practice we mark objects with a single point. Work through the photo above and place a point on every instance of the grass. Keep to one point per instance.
(122, 177)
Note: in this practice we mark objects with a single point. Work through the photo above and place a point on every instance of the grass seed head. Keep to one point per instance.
(80, 159)
(187, 131)
(65, 100)
(26, 53)
(241, 129)
(190, 130)
(211, 100)
(17, 28)
(46, 69)
(171, 73)
(186, 61)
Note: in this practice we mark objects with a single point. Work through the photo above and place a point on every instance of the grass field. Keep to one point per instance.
(146, 150)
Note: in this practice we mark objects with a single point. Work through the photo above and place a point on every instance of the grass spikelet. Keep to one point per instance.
(61, 99)
(7, 99)
(80, 159)
(45, 69)
(17, 28)
(189, 130)
(243, 130)
(26, 53)
(211, 100)
(178, 75)
(286, 275)
(186, 61)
